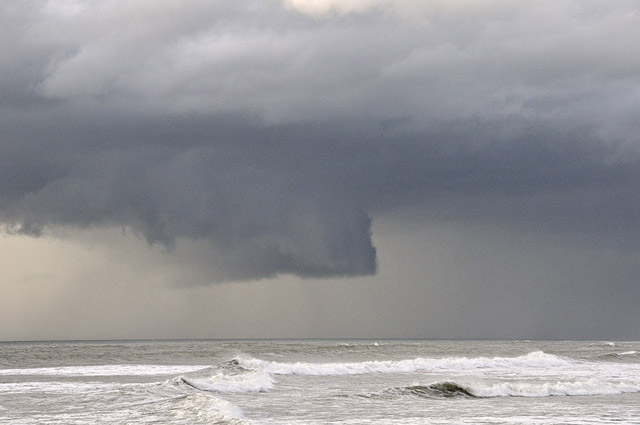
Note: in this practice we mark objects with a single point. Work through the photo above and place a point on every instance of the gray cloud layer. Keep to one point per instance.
(275, 135)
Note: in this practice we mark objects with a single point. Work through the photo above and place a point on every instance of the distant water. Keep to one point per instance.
(320, 382)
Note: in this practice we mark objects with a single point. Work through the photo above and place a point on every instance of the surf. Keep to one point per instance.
(104, 370)
(250, 382)
(452, 389)
(535, 359)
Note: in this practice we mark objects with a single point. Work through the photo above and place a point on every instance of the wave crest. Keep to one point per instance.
(531, 360)
(589, 387)
(444, 389)
(626, 356)
(447, 389)
(250, 382)
(105, 370)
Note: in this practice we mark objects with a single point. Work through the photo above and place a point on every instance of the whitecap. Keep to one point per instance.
(589, 387)
(104, 370)
(536, 359)
(249, 382)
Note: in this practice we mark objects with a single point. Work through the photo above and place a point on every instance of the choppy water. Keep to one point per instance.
(320, 382)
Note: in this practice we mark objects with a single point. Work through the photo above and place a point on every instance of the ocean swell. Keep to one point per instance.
(444, 389)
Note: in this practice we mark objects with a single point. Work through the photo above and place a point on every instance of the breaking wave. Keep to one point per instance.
(200, 409)
(436, 390)
(250, 382)
(104, 370)
(591, 387)
(524, 376)
(624, 356)
(602, 344)
(179, 402)
(532, 360)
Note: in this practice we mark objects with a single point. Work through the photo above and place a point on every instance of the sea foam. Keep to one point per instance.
(104, 370)
(241, 383)
(536, 359)
(590, 387)
(210, 409)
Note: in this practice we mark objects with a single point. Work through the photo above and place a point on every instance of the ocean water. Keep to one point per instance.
(320, 382)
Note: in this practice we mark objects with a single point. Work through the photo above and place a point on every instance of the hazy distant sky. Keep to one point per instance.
(319, 168)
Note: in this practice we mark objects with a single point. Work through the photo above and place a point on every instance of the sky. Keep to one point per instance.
(319, 169)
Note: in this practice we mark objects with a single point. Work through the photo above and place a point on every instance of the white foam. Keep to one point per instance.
(536, 359)
(589, 387)
(603, 343)
(104, 370)
(58, 387)
(242, 383)
(210, 409)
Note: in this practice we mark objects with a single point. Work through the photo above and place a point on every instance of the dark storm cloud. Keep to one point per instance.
(275, 135)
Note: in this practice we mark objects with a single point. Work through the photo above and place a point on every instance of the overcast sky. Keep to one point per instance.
(319, 168)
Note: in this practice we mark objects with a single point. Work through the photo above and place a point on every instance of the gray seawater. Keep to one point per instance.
(320, 382)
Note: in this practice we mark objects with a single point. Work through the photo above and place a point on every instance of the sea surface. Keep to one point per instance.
(320, 382)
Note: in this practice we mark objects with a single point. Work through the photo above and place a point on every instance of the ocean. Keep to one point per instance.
(320, 382)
